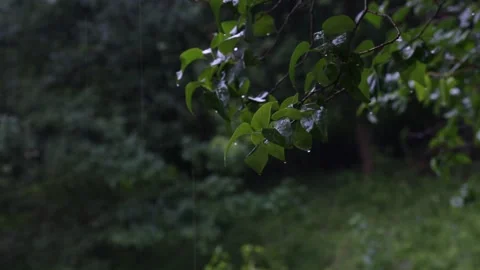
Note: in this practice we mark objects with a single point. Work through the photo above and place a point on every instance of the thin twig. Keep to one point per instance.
(337, 80)
(280, 30)
(312, 5)
(385, 43)
(427, 24)
(275, 6)
(334, 95)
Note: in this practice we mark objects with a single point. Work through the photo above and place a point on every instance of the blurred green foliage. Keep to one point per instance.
(391, 220)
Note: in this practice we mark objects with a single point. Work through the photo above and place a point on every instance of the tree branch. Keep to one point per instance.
(385, 43)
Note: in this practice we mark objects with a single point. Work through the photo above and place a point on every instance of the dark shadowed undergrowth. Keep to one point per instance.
(391, 220)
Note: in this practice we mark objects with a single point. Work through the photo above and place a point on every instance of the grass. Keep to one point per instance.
(393, 220)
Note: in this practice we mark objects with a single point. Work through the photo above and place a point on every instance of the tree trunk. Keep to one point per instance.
(362, 131)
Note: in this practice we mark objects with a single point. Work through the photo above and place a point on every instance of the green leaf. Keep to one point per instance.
(272, 135)
(418, 74)
(244, 86)
(320, 71)
(227, 45)
(359, 95)
(364, 86)
(291, 113)
(383, 56)
(228, 26)
(264, 25)
(257, 138)
(189, 91)
(401, 14)
(375, 20)
(415, 72)
(242, 129)
(284, 127)
(246, 115)
(217, 39)
(242, 6)
(301, 138)
(276, 151)
(258, 159)
(421, 91)
(300, 50)
(320, 118)
(337, 25)
(261, 118)
(206, 77)
(187, 57)
(364, 45)
(212, 101)
(308, 82)
(353, 77)
(462, 159)
(215, 5)
(289, 101)
(331, 73)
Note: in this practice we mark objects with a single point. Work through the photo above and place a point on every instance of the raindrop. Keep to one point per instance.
(411, 91)
(284, 162)
(235, 49)
(178, 85)
(268, 34)
(216, 111)
(308, 151)
(473, 13)
(235, 144)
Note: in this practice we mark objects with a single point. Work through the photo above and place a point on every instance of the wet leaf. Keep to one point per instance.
(189, 91)
(244, 86)
(258, 159)
(299, 51)
(290, 113)
(289, 101)
(261, 118)
(215, 5)
(242, 129)
(308, 82)
(264, 25)
(284, 127)
(187, 57)
(320, 72)
(276, 151)
(272, 135)
(364, 45)
(337, 25)
(302, 139)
